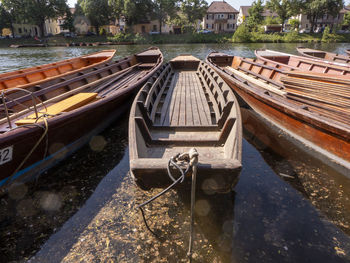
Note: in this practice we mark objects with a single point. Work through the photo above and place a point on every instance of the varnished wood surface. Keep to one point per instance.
(184, 105)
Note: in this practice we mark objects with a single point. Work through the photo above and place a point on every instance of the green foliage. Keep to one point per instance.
(284, 8)
(194, 9)
(255, 18)
(37, 12)
(315, 9)
(294, 23)
(102, 32)
(291, 37)
(328, 37)
(272, 21)
(346, 20)
(97, 11)
(69, 21)
(242, 34)
(164, 10)
(5, 18)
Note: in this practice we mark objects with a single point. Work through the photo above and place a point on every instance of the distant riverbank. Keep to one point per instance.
(253, 37)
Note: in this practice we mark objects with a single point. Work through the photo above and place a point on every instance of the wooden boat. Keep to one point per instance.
(184, 105)
(347, 51)
(29, 77)
(308, 114)
(324, 55)
(292, 62)
(58, 119)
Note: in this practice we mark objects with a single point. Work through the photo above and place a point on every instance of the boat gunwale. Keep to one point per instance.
(341, 130)
(93, 104)
(64, 62)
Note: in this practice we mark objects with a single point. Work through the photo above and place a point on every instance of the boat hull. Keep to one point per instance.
(65, 135)
(319, 140)
(47, 143)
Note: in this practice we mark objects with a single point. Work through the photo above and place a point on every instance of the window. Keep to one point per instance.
(207, 26)
(155, 28)
(20, 30)
(230, 16)
(307, 26)
(228, 26)
(212, 26)
(207, 16)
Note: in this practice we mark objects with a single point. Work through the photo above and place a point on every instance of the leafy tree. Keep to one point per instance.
(194, 9)
(272, 20)
(11, 11)
(164, 10)
(78, 9)
(97, 11)
(294, 23)
(242, 34)
(69, 21)
(346, 20)
(37, 12)
(134, 11)
(284, 8)
(315, 9)
(5, 19)
(255, 17)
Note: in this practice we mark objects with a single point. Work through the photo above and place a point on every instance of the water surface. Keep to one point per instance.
(287, 207)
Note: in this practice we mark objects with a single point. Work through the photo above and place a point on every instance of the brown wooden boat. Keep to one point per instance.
(29, 77)
(286, 61)
(314, 118)
(186, 104)
(44, 126)
(324, 55)
(347, 51)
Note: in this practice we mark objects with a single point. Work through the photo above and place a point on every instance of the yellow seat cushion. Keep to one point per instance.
(68, 104)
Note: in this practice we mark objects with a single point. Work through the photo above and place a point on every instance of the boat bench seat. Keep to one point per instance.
(68, 104)
(159, 136)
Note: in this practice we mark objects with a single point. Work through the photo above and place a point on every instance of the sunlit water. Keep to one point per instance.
(287, 207)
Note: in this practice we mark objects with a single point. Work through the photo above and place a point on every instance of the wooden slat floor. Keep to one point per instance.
(185, 103)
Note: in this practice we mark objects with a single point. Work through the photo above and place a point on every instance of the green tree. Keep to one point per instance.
(69, 21)
(78, 9)
(346, 20)
(284, 8)
(11, 11)
(164, 10)
(97, 11)
(255, 17)
(294, 23)
(194, 9)
(134, 11)
(37, 12)
(5, 19)
(315, 9)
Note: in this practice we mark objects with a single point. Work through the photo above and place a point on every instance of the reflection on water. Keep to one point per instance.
(287, 206)
(327, 189)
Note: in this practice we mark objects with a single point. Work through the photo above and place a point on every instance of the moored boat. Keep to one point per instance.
(29, 77)
(324, 55)
(293, 62)
(347, 51)
(42, 127)
(186, 104)
(316, 119)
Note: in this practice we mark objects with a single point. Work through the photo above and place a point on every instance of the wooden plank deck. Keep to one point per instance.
(185, 103)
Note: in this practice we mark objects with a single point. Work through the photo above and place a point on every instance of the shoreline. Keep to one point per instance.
(194, 38)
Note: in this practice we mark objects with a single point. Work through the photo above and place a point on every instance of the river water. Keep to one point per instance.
(288, 206)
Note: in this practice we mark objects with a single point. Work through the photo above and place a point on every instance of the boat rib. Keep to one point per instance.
(184, 105)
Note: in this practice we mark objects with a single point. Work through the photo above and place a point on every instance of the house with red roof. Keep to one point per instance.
(220, 17)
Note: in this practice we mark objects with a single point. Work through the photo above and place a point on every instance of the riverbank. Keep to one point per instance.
(249, 37)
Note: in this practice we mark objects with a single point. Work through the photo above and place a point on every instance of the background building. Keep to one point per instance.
(220, 17)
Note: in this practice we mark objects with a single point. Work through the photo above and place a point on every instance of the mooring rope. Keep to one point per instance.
(30, 152)
(192, 159)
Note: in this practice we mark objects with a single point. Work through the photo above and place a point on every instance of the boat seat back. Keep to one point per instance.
(68, 104)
